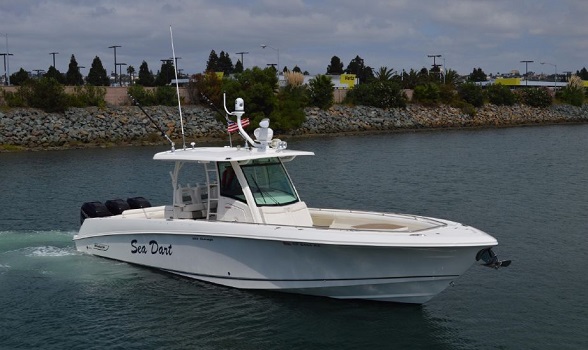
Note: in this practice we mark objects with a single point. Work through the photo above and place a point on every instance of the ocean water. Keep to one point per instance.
(525, 186)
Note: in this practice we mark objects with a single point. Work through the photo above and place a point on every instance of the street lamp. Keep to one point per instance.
(243, 53)
(114, 47)
(555, 74)
(527, 71)
(434, 62)
(54, 53)
(263, 46)
(7, 59)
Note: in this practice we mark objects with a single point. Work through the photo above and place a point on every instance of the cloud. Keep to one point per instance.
(492, 34)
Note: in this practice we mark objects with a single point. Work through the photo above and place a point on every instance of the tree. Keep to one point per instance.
(97, 75)
(583, 74)
(296, 69)
(145, 75)
(52, 72)
(258, 87)
(73, 77)
(238, 67)
(165, 74)
(212, 65)
(19, 77)
(131, 73)
(451, 77)
(336, 66)
(225, 64)
(500, 95)
(384, 74)
(320, 91)
(478, 75)
(362, 72)
(471, 93)
(410, 79)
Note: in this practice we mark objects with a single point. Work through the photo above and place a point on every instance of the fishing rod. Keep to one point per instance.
(171, 34)
(136, 103)
(212, 105)
(221, 113)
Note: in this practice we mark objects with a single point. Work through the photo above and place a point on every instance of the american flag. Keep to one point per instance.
(232, 127)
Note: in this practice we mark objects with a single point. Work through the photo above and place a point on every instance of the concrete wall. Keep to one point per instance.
(115, 96)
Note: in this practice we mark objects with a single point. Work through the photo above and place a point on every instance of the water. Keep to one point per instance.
(525, 186)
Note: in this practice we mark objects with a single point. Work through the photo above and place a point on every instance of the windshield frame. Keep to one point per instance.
(269, 182)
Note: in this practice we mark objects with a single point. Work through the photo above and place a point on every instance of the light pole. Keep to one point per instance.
(7, 59)
(555, 74)
(263, 46)
(120, 72)
(175, 63)
(38, 72)
(6, 81)
(242, 53)
(54, 53)
(114, 47)
(527, 71)
(434, 62)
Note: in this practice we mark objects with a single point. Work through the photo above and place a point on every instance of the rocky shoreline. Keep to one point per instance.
(93, 127)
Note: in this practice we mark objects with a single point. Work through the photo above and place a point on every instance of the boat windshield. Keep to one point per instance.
(267, 180)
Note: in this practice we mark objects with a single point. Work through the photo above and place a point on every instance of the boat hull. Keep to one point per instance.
(346, 271)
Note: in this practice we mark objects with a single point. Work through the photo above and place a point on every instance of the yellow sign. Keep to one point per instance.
(220, 75)
(508, 81)
(585, 82)
(348, 79)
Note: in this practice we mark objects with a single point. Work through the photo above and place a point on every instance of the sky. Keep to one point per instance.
(495, 35)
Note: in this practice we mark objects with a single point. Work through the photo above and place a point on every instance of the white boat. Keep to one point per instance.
(246, 227)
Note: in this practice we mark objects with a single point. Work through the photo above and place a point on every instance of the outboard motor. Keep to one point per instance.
(138, 203)
(117, 206)
(93, 210)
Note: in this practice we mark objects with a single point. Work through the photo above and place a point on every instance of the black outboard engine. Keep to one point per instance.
(138, 203)
(93, 210)
(117, 206)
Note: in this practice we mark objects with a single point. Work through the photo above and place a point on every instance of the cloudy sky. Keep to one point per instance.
(494, 35)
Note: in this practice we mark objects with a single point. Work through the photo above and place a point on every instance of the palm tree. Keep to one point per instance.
(384, 74)
(131, 73)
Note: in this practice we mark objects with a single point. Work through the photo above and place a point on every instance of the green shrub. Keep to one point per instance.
(380, 94)
(471, 93)
(447, 94)
(572, 96)
(289, 112)
(536, 97)
(257, 87)
(14, 99)
(88, 95)
(428, 94)
(46, 94)
(206, 88)
(141, 95)
(500, 95)
(574, 92)
(320, 92)
(166, 95)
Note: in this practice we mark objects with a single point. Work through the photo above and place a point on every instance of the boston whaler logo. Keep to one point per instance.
(100, 246)
(153, 247)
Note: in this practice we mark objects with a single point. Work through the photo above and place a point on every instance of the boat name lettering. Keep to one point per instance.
(301, 244)
(199, 238)
(154, 248)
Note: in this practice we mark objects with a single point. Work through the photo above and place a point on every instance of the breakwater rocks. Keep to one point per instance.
(80, 127)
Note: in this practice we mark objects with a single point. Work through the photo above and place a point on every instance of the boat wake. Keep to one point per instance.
(50, 251)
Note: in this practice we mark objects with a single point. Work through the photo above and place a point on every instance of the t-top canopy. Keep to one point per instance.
(224, 154)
